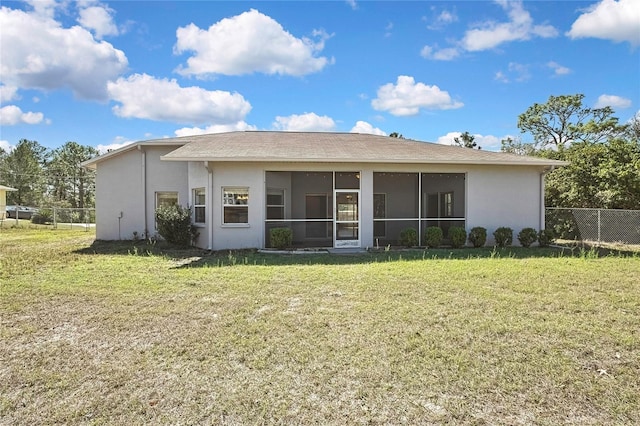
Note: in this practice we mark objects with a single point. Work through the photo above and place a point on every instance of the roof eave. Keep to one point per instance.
(363, 160)
(93, 163)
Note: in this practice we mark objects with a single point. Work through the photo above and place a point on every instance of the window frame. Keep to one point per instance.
(197, 192)
(163, 194)
(235, 203)
(158, 195)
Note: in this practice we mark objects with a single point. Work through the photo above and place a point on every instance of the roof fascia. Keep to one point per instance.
(342, 160)
(92, 163)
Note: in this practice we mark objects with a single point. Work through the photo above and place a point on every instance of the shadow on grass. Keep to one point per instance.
(193, 257)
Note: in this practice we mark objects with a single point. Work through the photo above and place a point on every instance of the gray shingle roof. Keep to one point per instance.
(328, 147)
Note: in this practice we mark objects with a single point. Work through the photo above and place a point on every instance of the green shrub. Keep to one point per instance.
(545, 237)
(478, 236)
(43, 216)
(433, 236)
(174, 225)
(527, 237)
(280, 238)
(409, 237)
(458, 236)
(503, 236)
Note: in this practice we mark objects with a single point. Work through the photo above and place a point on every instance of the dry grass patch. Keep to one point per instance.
(133, 336)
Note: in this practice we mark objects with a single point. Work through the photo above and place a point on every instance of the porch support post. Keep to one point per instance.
(209, 203)
(366, 208)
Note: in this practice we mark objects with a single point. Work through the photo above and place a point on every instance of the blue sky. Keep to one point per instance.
(108, 73)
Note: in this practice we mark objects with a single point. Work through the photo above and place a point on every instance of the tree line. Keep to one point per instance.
(603, 154)
(45, 177)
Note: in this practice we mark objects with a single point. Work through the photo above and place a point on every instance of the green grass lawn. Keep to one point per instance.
(131, 333)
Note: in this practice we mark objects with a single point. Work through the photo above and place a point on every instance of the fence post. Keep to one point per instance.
(599, 223)
(55, 220)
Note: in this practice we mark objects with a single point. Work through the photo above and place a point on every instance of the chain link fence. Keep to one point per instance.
(601, 225)
(54, 217)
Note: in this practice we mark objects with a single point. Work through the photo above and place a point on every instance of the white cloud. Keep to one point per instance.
(353, 4)
(519, 27)
(491, 34)
(448, 138)
(515, 72)
(44, 8)
(8, 93)
(558, 69)
(618, 21)
(612, 101)
(216, 128)
(247, 43)
(6, 146)
(388, 29)
(118, 143)
(443, 19)
(447, 17)
(99, 19)
(11, 115)
(52, 57)
(307, 122)
(501, 77)
(488, 142)
(446, 54)
(364, 127)
(407, 97)
(143, 96)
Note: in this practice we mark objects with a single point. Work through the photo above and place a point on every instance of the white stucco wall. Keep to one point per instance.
(238, 236)
(123, 203)
(503, 196)
(163, 176)
(119, 197)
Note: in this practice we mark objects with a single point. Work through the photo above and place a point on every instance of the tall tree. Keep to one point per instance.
(564, 119)
(23, 169)
(67, 179)
(599, 175)
(466, 140)
(516, 146)
(633, 132)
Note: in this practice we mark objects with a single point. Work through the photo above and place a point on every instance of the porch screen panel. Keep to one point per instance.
(443, 200)
(396, 202)
(307, 206)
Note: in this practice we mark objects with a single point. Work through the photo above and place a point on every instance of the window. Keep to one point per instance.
(199, 205)
(275, 203)
(235, 202)
(166, 199)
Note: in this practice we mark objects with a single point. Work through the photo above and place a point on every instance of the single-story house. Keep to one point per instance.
(331, 189)
(3, 200)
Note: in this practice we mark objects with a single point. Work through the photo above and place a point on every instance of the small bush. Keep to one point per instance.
(280, 238)
(527, 237)
(409, 237)
(478, 236)
(458, 236)
(503, 236)
(174, 225)
(545, 238)
(433, 236)
(43, 216)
